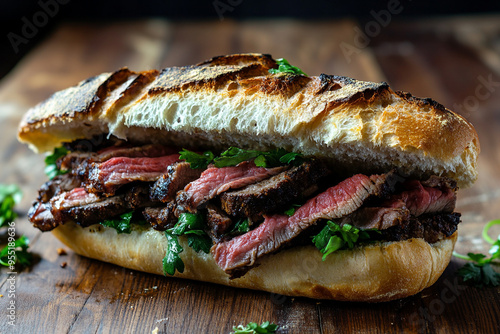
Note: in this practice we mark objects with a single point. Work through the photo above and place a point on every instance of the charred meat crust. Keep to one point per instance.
(161, 218)
(274, 193)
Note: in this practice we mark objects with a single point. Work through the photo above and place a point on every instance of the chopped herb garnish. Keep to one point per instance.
(334, 237)
(191, 225)
(240, 227)
(234, 155)
(290, 212)
(10, 195)
(16, 253)
(51, 168)
(274, 158)
(285, 67)
(197, 160)
(172, 261)
(254, 328)
(480, 273)
(120, 224)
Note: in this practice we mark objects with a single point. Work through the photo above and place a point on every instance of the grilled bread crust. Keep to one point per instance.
(234, 101)
(372, 273)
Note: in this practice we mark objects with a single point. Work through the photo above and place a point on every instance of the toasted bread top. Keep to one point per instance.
(233, 100)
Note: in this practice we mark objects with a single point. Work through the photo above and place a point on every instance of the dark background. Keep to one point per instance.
(15, 14)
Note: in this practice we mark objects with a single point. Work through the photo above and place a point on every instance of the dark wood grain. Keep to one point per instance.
(442, 59)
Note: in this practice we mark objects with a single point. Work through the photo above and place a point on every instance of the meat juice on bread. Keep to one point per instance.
(234, 172)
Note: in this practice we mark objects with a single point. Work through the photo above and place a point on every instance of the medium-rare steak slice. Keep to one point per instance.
(175, 179)
(214, 181)
(96, 212)
(78, 162)
(415, 201)
(56, 186)
(108, 176)
(86, 208)
(274, 193)
(40, 216)
(161, 218)
(240, 253)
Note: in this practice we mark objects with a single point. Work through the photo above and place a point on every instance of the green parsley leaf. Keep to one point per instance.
(17, 252)
(10, 195)
(51, 168)
(199, 241)
(120, 224)
(240, 227)
(334, 237)
(291, 211)
(481, 273)
(285, 67)
(188, 221)
(254, 328)
(234, 155)
(172, 261)
(292, 157)
(191, 225)
(197, 160)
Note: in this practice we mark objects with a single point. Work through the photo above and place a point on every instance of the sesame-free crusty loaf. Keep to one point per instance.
(234, 101)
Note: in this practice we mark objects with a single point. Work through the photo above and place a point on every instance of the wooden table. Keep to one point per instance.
(446, 59)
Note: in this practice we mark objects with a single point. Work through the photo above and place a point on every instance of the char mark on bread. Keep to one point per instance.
(214, 181)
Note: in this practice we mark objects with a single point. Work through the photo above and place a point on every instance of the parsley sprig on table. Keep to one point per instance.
(234, 155)
(10, 195)
(480, 272)
(285, 67)
(254, 328)
(334, 237)
(51, 168)
(191, 225)
(16, 251)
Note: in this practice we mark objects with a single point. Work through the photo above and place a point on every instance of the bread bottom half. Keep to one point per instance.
(374, 273)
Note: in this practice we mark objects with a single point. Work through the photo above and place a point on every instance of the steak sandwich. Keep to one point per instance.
(243, 171)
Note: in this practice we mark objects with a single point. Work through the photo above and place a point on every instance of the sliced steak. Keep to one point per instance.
(137, 196)
(417, 200)
(161, 218)
(420, 200)
(80, 162)
(274, 193)
(336, 202)
(431, 228)
(96, 212)
(214, 181)
(86, 208)
(218, 222)
(41, 217)
(56, 186)
(376, 217)
(177, 177)
(108, 176)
